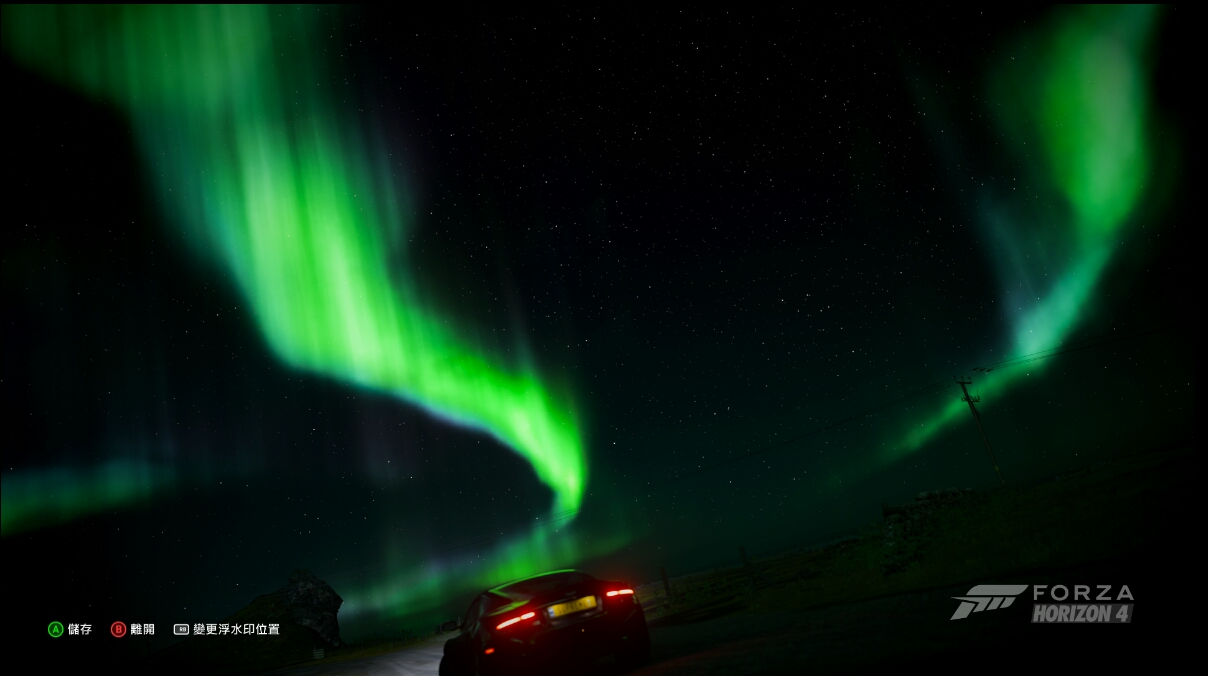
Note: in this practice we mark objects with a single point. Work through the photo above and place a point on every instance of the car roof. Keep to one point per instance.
(498, 589)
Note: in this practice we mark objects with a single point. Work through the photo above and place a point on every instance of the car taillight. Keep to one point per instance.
(507, 623)
(619, 592)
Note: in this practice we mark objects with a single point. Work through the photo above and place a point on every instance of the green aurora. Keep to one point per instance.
(1079, 92)
(264, 178)
(269, 181)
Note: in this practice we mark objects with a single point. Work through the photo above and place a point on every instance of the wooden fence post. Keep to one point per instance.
(666, 585)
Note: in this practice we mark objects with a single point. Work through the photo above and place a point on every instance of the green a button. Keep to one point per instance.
(55, 629)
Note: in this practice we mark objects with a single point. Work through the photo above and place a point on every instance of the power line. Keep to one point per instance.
(932, 388)
(937, 386)
(1094, 341)
(913, 395)
(1104, 339)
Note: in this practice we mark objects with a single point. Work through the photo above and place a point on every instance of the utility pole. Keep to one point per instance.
(977, 418)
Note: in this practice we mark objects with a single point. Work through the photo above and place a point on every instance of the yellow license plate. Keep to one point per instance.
(585, 603)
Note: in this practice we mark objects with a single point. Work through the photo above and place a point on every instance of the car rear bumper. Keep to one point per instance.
(571, 645)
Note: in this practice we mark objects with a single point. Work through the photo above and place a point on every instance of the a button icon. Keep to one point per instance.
(180, 629)
(118, 629)
(55, 629)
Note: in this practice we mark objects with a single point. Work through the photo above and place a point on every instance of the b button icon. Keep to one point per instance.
(118, 629)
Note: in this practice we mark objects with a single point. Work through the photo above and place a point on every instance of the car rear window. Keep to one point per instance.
(545, 583)
(485, 603)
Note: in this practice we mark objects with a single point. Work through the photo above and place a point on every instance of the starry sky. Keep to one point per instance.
(423, 305)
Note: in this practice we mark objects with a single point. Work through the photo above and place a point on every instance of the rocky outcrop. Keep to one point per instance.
(909, 528)
(312, 603)
(303, 612)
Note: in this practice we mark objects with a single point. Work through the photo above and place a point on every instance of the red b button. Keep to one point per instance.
(118, 629)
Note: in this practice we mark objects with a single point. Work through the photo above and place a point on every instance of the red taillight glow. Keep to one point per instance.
(488, 651)
(619, 591)
(507, 623)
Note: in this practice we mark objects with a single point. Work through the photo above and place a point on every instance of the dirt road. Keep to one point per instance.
(422, 659)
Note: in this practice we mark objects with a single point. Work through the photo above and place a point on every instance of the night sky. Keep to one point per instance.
(425, 305)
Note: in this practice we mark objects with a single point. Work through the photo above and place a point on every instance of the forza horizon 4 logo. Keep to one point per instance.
(987, 597)
(1102, 608)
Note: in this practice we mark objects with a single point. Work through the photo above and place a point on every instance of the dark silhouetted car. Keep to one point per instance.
(562, 620)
